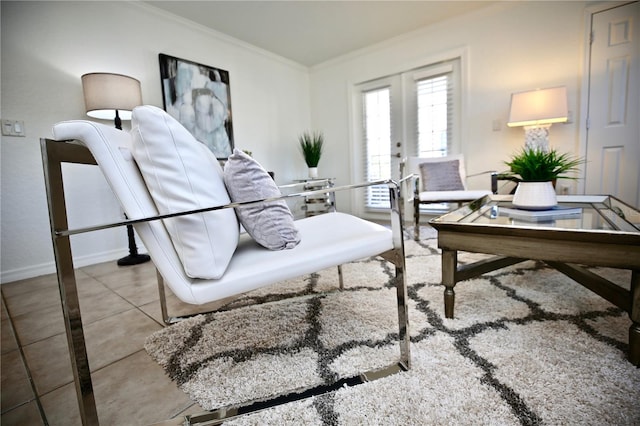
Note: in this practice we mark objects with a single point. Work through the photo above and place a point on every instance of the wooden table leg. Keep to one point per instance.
(634, 314)
(449, 268)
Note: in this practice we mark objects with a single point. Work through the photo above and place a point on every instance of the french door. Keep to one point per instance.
(382, 136)
(408, 114)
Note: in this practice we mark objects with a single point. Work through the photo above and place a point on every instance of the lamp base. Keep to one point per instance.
(133, 259)
(537, 137)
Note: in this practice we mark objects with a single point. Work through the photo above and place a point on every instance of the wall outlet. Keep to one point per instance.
(563, 189)
(13, 128)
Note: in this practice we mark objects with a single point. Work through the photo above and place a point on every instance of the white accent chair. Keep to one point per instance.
(326, 240)
(438, 180)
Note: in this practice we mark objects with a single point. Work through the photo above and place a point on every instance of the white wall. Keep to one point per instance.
(47, 46)
(509, 47)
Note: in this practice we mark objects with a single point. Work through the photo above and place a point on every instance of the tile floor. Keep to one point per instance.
(120, 308)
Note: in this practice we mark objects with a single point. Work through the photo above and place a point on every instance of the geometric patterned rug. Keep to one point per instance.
(527, 346)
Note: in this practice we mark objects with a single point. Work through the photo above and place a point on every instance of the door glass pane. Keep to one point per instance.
(377, 134)
(433, 116)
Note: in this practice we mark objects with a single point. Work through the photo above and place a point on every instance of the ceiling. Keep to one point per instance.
(311, 32)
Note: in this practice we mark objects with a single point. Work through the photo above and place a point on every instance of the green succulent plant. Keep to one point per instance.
(534, 165)
(311, 147)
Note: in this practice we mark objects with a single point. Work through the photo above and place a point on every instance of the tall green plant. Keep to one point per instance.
(534, 165)
(311, 147)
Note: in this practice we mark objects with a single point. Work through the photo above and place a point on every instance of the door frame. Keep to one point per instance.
(586, 86)
(370, 74)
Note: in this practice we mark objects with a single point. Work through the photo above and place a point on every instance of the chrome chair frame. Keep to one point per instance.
(416, 195)
(55, 153)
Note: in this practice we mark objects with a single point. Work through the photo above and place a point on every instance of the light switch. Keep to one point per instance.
(497, 125)
(13, 128)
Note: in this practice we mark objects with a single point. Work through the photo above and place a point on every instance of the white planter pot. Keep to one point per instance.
(313, 172)
(535, 196)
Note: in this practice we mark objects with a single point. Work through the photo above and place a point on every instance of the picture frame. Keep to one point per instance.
(199, 97)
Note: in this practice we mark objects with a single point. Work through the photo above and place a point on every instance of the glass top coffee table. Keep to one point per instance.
(592, 230)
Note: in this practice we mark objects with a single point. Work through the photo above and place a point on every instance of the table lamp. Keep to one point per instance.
(536, 110)
(110, 96)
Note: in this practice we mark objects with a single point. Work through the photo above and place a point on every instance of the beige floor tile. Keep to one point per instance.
(16, 288)
(33, 301)
(137, 391)
(96, 302)
(16, 388)
(135, 375)
(49, 363)
(139, 292)
(153, 310)
(88, 286)
(107, 340)
(135, 283)
(114, 276)
(116, 337)
(8, 342)
(61, 406)
(24, 415)
(35, 326)
(177, 308)
(100, 305)
(130, 387)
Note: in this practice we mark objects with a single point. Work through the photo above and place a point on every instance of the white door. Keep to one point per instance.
(613, 123)
(407, 114)
(380, 134)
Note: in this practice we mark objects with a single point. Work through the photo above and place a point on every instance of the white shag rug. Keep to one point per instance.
(527, 346)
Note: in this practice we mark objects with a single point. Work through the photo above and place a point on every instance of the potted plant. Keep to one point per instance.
(537, 172)
(311, 147)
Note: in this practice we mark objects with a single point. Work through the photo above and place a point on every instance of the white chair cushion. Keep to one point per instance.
(326, 240)
(442, 196)
(182, 174)
(270, 224)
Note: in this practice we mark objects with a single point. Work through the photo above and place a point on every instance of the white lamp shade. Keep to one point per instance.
(104, 93)
(538, 107)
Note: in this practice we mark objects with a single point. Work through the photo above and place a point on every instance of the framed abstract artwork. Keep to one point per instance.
(199, 97)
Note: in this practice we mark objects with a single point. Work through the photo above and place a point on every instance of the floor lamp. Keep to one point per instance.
(113, 96)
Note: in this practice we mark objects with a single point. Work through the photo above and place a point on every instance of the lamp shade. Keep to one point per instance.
(538, 107)
(104, 93)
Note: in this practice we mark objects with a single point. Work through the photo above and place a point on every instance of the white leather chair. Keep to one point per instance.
(439, 180)
(326, 240)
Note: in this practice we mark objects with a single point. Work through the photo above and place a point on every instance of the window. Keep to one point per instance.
(418, 107)
(377, 138)
(433, 116)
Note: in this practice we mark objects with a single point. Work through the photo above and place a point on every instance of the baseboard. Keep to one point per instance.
(50, 267)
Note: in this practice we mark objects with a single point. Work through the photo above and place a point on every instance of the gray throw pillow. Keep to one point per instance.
(270, 224)
(441, 176)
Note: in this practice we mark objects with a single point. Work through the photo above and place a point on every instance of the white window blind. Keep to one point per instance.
(434, 96)
(377, 144)
(412, 113)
